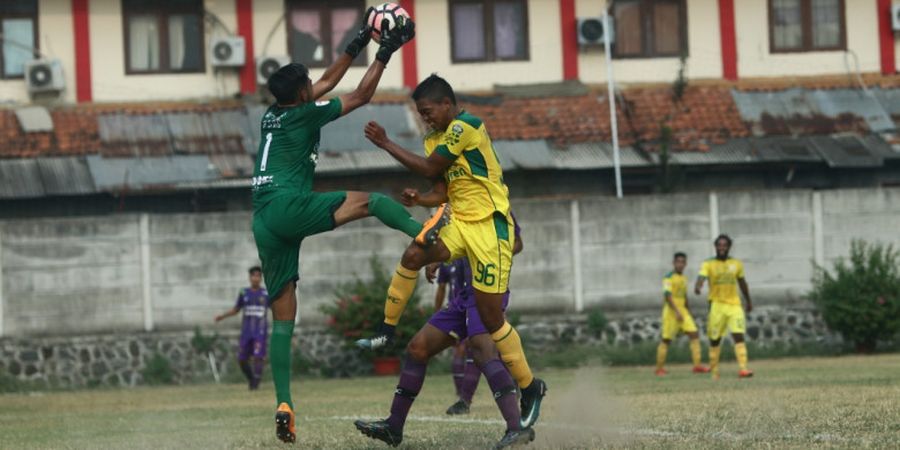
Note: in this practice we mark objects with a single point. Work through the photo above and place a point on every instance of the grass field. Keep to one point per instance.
(846, 402)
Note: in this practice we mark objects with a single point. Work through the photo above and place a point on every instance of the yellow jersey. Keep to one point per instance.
(723, 276)
(475, 179)
(675, 285)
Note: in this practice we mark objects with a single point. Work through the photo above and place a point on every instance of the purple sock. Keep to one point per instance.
(411, 378)
(469, 382)
(458, 367)
(504, 389)
(258, 365)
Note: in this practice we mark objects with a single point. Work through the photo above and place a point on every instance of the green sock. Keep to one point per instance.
(393, 214)
(280, 360)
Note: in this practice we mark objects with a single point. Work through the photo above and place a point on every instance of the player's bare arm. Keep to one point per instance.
(518, 246)
(431, 167)
(391, 41)
(227, 314)
(338, 69)
(698, 286)
(671, 304)
(436, 196)
(746, 291)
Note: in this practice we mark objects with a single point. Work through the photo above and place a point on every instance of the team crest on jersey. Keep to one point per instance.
(270, 120)
(452, 138)
(732, 268)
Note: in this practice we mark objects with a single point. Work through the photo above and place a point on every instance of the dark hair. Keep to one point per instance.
(254, 269)
(287, 81)
(434, 88)
(723, 236)
(680, 255)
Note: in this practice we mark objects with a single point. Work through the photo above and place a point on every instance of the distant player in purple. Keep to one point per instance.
(461, 315)
(254, 301)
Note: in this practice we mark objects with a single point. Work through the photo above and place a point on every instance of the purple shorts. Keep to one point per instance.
(252, 346)
(460, 321)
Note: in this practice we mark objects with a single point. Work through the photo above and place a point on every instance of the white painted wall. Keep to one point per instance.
(434, 53)
(55, 41)
(704, 44)
(267, 19)
(754, 59)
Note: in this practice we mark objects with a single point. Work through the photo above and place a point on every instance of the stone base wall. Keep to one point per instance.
(119, 360)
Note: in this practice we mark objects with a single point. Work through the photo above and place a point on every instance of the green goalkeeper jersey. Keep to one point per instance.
(289, 149)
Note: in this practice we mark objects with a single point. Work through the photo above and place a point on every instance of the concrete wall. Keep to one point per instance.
(167, 272)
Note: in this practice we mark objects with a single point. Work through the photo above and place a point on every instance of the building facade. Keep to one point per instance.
(136, 50)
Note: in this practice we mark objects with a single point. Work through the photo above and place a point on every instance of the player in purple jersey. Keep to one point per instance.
(456, 323)
(253, 301)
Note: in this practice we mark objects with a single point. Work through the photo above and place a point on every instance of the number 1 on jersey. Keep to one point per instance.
(265, 157)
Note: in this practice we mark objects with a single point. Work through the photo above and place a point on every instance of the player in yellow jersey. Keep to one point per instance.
(461, 163)
(725, 274)
(676, 317)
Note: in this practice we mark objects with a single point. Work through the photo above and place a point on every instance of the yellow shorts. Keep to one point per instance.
(722, 316)
(488, 244)
(671, 326)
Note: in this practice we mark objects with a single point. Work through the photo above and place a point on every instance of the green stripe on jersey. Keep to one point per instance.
(476, 162)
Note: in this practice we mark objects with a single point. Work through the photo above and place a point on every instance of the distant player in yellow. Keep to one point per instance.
(725, 274)
(676, 317)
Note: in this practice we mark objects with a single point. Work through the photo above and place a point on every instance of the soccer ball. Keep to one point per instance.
(394, 14)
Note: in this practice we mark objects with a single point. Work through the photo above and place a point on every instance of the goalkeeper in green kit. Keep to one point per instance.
(286, 210)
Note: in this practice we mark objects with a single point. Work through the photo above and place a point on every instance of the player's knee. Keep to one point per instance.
(417, 350)
(482, 353)
(374, 199)
(738, 338)
(714, 342)
(413, 258)
(666, 341)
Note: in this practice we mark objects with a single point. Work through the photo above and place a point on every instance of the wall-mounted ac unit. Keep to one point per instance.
(895, 16)
(267, 65)
(227, 51)
(44, 75)
(590, 31)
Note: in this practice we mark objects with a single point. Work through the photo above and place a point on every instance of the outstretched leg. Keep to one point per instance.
(284, 310)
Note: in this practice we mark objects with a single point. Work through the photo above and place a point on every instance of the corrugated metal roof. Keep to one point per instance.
(334, 162)
(372, 160)
(524, 154)
(65, 176)
(735, 151)
(233, 165)
(582, 157)
(20, 178)
(214, 132)
(835, 102)
(136, 173)
(346, 134)
(34, 119)
(785, 149)
(123, 135)
(889, 99)
(845, 152)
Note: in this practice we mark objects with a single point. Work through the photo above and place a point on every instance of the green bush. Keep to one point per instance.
(158, 370)
(597, 322)
(860, 298)
(358, 309)
(201, 343)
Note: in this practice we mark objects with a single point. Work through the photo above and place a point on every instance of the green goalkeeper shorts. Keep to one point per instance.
(279, 227)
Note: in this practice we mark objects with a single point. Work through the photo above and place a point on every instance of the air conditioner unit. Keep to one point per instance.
(267, 65)
(590, 31)
(895, 16)
(227, 51)
(44, 75)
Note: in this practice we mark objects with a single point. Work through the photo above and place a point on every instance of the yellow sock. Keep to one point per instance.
(714, 359)
(695, 351)
(510, 347)
(661, 351)
(403, 283)
(740, 351)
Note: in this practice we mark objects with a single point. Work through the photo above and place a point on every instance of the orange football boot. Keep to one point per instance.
(745, 374)
(432, 227)
(700, 369)
(284, 424)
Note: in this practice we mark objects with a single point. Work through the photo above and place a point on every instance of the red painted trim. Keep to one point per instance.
(245, 29)
(886, 38)
(82, 42)
(729, 40)
(568, 22)
(410, 60)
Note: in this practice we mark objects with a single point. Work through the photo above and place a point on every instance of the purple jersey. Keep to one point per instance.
(254, 305)
(459, 275)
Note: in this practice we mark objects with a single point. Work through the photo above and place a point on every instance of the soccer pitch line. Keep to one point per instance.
(647, 432)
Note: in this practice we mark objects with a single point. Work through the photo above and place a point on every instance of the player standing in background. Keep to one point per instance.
(286, 210)
(725, 274)
(254, 302)
(458, 322)
(466, 373)
(464, 168)
(676, 317)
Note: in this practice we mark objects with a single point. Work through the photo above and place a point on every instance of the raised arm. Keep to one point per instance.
(336, 71)
(391, 41)
(431, 167)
